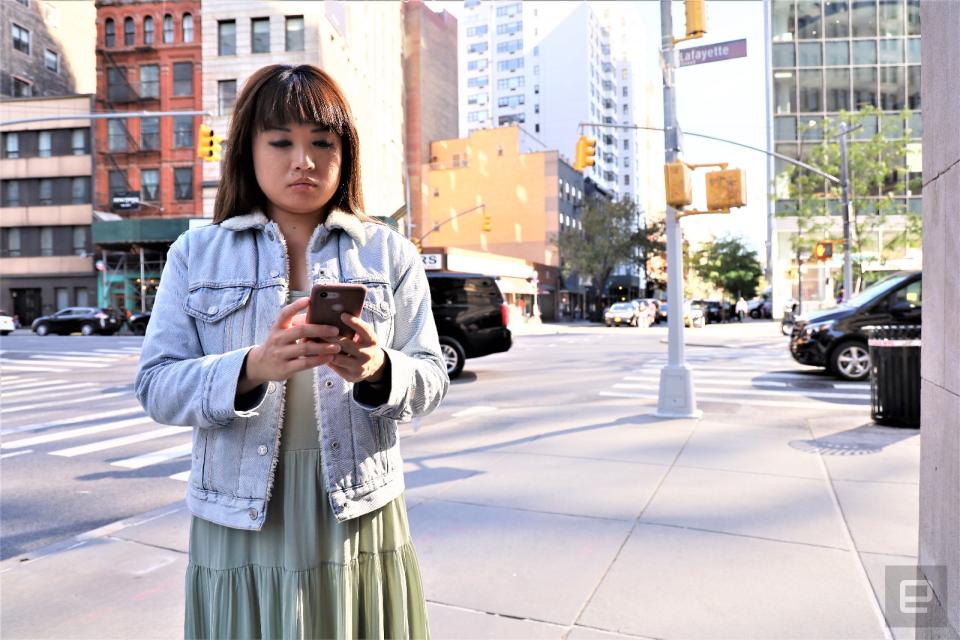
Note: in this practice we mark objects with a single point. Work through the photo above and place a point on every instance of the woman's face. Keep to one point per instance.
(298, 166)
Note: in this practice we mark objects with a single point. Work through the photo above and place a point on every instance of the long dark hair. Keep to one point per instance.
(274, 96)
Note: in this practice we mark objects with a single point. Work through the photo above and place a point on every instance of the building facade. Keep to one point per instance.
(46, 251)
(430, 95)
(829, 56)
(359, 44)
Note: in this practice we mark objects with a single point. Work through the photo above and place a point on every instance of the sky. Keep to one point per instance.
(724, 99)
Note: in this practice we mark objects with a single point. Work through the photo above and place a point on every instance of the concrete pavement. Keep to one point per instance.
(580, 520)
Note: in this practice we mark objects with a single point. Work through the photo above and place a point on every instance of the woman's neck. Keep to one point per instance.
(297, 230)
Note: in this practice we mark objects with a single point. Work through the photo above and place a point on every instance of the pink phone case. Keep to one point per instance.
(328, 301)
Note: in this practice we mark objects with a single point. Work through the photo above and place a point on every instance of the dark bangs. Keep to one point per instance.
(275, 96)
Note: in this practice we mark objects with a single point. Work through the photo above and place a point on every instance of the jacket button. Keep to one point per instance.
(212, 310)
(271, 387)
(328, 384)
(252, 513)
(270, 236)
(334, 445)
(274, 273)
(384, 306)
(262, 449)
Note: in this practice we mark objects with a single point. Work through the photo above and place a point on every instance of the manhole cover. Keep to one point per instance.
(835, 448)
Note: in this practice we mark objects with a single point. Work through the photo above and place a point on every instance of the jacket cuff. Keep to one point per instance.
(220, 390)
(400, 374)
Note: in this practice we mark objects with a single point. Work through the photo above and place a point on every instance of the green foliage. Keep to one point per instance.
(728, 265)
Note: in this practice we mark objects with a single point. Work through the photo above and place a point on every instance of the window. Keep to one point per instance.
(82, 294)
(183, 183)
(836, 18)
(784, 92)
(129, 32)
(150, 133)
(510, 101)
(51, 60)
(626, 145)
(260, 35)
(116, 135)
(45, 144)
(294, 33)
(808, 19)
(150, 81)
(509, 28)
(913, 50)
(838, 89)
(168, 29)
(80, 249)
(187, 27)
(182, 132)
(478, 65)
(45, 194)
(21, 38)
(510, 46)
(784, 55)
(78, 142)
(118, 182)
(12, 145)
(892, 88)
(13, 193)
(226, 37)
(117, 88)
(479, 99)
(13, 242)
(479, 81)
(183, 78)
(510, 65)
(149, 184)
(46, 242)
(109, 33)
(891, 51)
(891, 18)
(913, 17)
(78, 190)
(477, 47)
(226, 95)
(148, 30)
(476, 31)
(837, 54)
(476, 116)
(809, 54)
(626, 180)
(864, 87)
(508, 10)
(913, 91)
(511, 119)
(22, 88)
(510, 83)
(863, 18)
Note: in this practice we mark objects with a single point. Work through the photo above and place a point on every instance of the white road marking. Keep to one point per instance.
(74, 433)
(15, 453)
(155, 457)
(812, 404)
(754, 392)
(73, 358)
(29, 368)
(183, 476)
(755, 382)
(119, 442)
(75, 420)
(49, 362)
(30, 407)
(473, 411)
(79, 386)
(30, 383)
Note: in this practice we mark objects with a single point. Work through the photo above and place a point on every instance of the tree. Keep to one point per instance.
(609, 237)
(878, 177)
(652, 244)
(728, 265)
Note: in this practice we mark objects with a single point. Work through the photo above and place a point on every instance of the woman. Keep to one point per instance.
(296, 484)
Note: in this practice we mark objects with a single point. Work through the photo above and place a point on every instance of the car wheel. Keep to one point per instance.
(4, 333)
(453, 356)
(86, 330)
(42, 330)
(851, 360)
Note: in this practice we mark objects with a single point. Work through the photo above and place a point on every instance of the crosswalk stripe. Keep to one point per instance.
(183, 476)
(155, 457)
(128, 411)
(757, 382)
(74, 433)
(14, 454)
(30, 407)
(11, 378)
(119, 442)
(60, 391)
(29, 383)
(123, 351)
(755, 392)
(76, 358)
(751, 375)
(812, 404)
(40, 362)
(30, 368)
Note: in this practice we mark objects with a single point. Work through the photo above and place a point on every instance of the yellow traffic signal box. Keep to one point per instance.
(586, 151)
(823, 251)
(695, 13)
(209, 144)
(487, 222)
(726, 189)
(679, 185)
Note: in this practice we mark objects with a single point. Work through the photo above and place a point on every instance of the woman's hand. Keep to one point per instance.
(360, 357)
(288, 348)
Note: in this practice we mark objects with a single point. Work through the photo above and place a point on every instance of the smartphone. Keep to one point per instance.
(328, 301)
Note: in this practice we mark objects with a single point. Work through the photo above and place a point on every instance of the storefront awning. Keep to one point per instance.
(513, 285)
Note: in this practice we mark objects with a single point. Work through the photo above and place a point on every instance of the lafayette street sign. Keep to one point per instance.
(713, 52)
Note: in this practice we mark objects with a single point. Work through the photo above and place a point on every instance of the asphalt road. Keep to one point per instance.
(78, 453)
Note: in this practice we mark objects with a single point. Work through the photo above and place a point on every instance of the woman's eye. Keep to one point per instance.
(323, 144)
(280, 143)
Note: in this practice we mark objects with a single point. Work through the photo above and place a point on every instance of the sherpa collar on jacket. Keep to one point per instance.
(336, 219)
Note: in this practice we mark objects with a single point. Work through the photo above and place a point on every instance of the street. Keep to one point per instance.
(537, 492)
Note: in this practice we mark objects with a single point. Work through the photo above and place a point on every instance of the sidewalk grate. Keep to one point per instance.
(828, 447)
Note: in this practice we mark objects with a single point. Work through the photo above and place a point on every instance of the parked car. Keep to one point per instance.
(622, 313)
(6, 323)
(761, 306)
(713, 310)
(471, 317)
(138, 322)
(86, 320)
(834, 338)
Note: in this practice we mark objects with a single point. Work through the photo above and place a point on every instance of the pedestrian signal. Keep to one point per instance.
(725, 189)
(678, 182)
(209, 145)
(823, 250)
(586, 151)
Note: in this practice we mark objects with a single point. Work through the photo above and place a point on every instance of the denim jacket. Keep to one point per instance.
(221, 291)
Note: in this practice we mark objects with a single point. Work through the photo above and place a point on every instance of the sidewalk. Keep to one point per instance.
(603, 522)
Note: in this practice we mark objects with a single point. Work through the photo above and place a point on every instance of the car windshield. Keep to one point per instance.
(876, 290)
(622, 306)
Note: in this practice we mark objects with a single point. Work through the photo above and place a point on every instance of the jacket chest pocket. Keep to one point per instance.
(378, 310)
(220, 314)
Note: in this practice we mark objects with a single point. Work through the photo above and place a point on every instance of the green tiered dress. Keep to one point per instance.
(305, 575)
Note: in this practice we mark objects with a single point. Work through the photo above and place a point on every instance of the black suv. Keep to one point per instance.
(86, 320)
(834, 338)
(471, 317)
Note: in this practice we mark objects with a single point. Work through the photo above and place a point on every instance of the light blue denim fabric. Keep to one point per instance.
(221, 291)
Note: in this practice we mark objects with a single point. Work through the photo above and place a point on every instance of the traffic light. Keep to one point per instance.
(487, 225)
(726, 189)
(586, 151)
(823, 251)
(695, 13)
(678, 182)
(208, 147)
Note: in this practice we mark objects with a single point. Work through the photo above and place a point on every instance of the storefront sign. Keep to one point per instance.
(432, 261)
(126, 200)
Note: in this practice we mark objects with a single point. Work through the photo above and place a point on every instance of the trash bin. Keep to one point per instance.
(895, 374)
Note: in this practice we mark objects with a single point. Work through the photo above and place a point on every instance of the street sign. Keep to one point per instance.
(712, 52)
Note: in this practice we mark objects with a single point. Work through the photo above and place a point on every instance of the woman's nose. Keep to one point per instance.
(303, 161)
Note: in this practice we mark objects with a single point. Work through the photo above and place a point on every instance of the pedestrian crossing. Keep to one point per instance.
(125, 428)
(15, 362)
